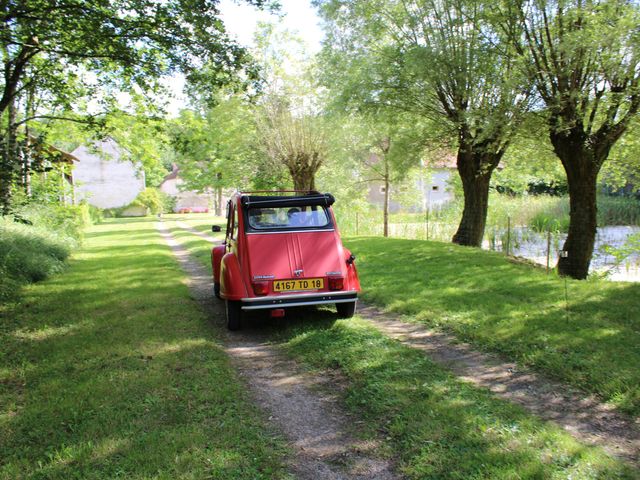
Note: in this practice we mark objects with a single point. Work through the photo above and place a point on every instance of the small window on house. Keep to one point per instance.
(382, 189)
(435, 188)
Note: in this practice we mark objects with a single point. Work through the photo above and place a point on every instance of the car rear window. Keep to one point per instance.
(288, 218)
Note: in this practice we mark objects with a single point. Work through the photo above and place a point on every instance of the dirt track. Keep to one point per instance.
(584, 417)
(319, 431)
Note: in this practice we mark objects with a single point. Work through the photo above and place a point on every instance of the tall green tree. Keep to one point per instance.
(49, 47)
(443, 60)
(585, 65)
(216, 147)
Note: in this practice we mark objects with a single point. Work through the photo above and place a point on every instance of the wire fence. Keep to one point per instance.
(543, 248)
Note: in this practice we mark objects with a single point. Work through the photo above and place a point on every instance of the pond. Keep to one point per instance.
(533, 246)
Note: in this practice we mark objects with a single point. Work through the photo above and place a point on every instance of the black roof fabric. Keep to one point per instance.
(262, 201)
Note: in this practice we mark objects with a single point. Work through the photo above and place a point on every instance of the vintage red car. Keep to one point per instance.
(282, 249)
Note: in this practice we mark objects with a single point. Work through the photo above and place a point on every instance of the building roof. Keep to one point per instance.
(173, 174)
(442, 159)
(55, 154)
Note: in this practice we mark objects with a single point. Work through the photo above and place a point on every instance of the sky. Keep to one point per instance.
(241, 19)
(297, 16)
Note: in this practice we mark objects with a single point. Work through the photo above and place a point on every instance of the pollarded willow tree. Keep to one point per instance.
(296, 141)
(585, 65)
(290, 132)
(63, 50)
(443, 60)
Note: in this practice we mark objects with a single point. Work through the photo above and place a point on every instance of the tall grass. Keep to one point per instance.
(33, 251)
(540, 213)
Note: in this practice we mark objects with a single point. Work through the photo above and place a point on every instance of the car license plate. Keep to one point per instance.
(298, 284)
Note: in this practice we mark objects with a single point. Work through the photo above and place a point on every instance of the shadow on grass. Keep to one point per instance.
(439, 426)
(588, 339)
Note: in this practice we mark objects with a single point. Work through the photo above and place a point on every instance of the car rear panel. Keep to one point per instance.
(288, 255)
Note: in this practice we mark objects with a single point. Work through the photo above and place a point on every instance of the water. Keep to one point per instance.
(532, 245)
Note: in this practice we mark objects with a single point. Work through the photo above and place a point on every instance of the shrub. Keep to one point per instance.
(38, 247)
(151, 199)
(29, 254)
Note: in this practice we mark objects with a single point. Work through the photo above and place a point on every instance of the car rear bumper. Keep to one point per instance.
(281, 301)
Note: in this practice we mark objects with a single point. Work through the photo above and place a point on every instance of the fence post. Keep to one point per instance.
(426, 224)
(548, 248)
(508, 234)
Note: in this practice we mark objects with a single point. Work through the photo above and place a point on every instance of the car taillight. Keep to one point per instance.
(336, 283)
(260, 288)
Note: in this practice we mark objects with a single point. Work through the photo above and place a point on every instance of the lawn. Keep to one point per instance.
(587, 335)
(433, 424)
(111, 370)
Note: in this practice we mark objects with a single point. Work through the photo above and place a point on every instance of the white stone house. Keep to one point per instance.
(433, 182)
(103, 179)
(187, 201)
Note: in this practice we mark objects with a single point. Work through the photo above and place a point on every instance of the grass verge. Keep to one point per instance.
(434, 425)
(112, 371)
(589, 338)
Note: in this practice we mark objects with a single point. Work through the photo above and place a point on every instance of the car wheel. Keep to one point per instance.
(234, 314)
(216, 289)
(346, 310)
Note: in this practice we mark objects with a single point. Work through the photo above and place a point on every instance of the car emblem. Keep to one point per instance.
(297, 273)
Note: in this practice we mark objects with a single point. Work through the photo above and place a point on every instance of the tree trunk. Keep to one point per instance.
(302, 173)
(475, 167)
(219, 202)
(9, 161)
(581, 160)
(386, 197)
(575, 257)
(6, 176)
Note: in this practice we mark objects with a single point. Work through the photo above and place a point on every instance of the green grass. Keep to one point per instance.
(200, 221)
(591, 342)
(434, 425)
(112, 371)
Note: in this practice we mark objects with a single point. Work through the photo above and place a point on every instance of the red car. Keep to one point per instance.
(282, 249)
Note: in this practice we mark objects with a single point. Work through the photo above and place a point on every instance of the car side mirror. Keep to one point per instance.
(351, 259)
(216, 228)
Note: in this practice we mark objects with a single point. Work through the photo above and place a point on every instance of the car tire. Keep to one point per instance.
(346, 310)
(216, 290)
(234, 315)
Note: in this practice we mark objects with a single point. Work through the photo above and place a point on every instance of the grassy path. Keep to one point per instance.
(435, 424)
(321, 436)
(111, 370)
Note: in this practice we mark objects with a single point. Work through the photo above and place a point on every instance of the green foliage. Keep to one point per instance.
(29, 254)
(152, 199)
(216, 148)
(112, 370)
(37, 246)
(512, 309)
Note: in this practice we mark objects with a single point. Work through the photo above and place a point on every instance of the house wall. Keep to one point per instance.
(436, 191)
(185, 200)
(103, 180)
